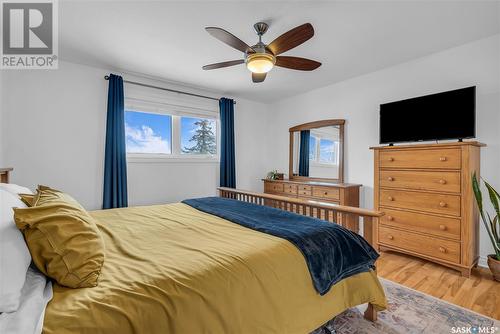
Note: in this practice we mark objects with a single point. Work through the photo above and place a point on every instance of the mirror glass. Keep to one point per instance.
(317, 152)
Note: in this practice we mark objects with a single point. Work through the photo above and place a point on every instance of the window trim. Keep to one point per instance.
(167, 158)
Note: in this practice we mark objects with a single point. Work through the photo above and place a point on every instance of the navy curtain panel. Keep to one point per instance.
(305, 136)
(115, 159)
(227, 157)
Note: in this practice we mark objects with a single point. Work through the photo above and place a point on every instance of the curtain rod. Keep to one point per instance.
(106, 77)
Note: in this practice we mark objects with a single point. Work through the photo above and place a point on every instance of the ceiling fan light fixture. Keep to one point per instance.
(261, 58)
(260, 62)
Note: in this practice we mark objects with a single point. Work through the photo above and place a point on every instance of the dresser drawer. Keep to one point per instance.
(304, 190)
(273, 187)
(436, 158)
(439, 226)
(421, 180)
(326, 192)
(427, 202)
(426, 245)
(290, 188)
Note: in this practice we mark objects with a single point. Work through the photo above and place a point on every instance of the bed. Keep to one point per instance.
(175, 269)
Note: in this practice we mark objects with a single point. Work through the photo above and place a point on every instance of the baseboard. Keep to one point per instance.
(483, 262)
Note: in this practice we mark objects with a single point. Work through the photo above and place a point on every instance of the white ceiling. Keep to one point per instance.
(167, 39)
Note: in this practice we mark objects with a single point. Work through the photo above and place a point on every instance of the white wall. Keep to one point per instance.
(1, 118)
(53, 131)
(357, 100)
(323, 170)
(253, 147)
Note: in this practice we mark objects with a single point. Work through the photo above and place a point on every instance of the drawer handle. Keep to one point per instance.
(442, 159)
(391, 159)
(390, 237)
(442, 204)
(442, 181)
(442, 227)
(390, 218)
(390, 198)
(442, 249)
(390, 178)
(326, 193)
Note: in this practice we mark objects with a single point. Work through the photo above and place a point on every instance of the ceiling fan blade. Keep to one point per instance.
(228, 38)
(258, 77)
(223, 64)
(297, 63)
(291, 39)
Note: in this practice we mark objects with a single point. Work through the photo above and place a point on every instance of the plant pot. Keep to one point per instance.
(494, 265)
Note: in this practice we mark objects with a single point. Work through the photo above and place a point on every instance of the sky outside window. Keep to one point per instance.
(327, 151)
(312, 148)
(148, 132)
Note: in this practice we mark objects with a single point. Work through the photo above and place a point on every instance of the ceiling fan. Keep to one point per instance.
(261, 58)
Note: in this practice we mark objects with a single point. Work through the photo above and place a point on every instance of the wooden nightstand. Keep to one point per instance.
(5, 174)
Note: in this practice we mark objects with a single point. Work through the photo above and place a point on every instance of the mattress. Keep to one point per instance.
(174, 269)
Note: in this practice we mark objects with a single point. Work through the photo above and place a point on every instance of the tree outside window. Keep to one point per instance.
(198, 136)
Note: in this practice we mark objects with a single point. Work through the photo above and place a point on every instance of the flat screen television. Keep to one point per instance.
(446, 115)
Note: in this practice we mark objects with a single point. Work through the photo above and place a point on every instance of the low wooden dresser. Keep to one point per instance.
(426, 194)
(338, 193)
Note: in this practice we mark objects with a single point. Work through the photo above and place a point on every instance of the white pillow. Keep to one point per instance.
(28, 319)
(15, 189)
(15, 257)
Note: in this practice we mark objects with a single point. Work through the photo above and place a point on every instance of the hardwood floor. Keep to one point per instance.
(479, 293)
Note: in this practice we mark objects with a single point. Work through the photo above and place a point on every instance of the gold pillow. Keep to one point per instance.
(62, 237)
(27, 199)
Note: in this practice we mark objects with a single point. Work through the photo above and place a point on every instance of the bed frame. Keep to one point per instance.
(326, 211)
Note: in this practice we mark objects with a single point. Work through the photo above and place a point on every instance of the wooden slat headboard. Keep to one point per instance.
(326, 211)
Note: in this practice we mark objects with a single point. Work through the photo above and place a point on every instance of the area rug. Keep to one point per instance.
(411, 311)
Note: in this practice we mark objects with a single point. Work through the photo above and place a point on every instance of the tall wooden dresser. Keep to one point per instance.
(426, 194)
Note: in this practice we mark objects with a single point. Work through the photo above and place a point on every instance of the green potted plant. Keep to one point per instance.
(492, 224)
(274, 175)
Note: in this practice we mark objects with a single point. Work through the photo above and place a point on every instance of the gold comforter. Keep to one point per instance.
(174, 269)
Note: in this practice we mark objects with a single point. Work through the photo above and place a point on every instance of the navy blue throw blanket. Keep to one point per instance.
(331, 251)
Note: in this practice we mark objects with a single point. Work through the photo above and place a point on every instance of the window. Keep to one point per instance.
(174, 135)
(323, 151)
(148, 133)
(198, 136)
(327, 151)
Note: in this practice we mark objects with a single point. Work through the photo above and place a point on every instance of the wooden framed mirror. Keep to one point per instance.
(317, 151)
